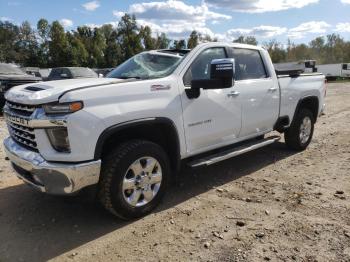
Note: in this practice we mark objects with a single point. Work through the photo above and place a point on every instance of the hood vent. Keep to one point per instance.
(34, 88)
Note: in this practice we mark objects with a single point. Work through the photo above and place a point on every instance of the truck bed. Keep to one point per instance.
(294, 88)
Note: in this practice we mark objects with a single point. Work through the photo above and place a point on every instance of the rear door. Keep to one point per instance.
(258, 93)
(214, 118)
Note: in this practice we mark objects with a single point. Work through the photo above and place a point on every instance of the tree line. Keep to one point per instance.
(50, 45)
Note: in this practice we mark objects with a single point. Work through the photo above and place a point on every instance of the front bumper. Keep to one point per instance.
(51, 177)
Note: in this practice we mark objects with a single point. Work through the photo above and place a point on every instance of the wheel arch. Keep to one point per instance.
(308, 102)
(159, 130)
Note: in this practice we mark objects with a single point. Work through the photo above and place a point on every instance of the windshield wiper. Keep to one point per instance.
(129, 77)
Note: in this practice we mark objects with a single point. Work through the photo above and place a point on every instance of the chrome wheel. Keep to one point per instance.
(142, 181)
(305, 130)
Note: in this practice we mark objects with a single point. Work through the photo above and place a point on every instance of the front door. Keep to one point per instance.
(214, 118)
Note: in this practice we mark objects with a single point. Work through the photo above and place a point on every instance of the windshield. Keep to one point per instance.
(146, 66)
(83, 72)
(6, 69)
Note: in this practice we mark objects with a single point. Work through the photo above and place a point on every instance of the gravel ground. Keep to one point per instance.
(271, 204)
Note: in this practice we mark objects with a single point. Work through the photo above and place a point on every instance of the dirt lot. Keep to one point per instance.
(271, 204)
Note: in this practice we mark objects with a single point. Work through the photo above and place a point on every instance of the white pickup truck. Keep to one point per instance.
(128, 133)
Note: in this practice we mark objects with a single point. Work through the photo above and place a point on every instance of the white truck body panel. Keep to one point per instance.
(218, 117)
(295, 89)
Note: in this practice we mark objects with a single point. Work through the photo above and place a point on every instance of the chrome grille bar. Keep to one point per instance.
(21, 128)
(20, 107)
(17, 118)
(22, 135)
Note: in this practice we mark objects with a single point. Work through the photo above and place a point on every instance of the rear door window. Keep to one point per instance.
(249, 64)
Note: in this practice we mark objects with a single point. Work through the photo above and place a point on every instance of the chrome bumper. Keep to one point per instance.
(50, 177)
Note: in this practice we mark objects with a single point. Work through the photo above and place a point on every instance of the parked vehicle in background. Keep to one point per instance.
(310, 66)
(38, 72)
(128, 133)
(10, 76)
(61, 73)
(333, 71)
(103, 71)
(305, 66)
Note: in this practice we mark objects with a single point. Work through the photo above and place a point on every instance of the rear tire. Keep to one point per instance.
(134, 178)
(299, 135)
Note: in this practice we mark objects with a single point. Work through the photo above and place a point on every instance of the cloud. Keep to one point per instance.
(260, 6)
(343, 27)
(312, 27)
(118, 14)
(263, 31)
(66, 22)
(177, 31)
(345, 1)
(174, 10)
(13, 3)
(5, 19)
(91, 6)
(176, 18)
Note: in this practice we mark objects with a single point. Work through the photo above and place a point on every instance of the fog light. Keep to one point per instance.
(59, 139)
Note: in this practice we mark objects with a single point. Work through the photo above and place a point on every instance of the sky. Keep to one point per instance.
(297, 20)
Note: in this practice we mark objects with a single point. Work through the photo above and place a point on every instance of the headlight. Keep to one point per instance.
(64, 108)
(59, 139)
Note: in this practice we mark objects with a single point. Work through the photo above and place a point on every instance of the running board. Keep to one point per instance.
(212, 159)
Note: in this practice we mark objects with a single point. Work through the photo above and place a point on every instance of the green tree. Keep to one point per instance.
(8, 42)
(250, 40)
(112, 52)
(43, 29)
(58, 45)
(128, 36)
(149, 42)
(276, 51)
(27, 45)
(95, 44)
(162, 41)
(179, 44)
(193, 40)
(318, 49)
(77, 54)
(335, 49)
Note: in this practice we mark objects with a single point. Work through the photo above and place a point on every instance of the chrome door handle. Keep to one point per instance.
(273, 89)
(233, 94)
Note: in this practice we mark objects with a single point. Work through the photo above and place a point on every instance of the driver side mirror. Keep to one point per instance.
(222, 75)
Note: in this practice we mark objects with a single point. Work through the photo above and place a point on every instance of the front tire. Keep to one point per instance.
(299, 135)
(134, 178)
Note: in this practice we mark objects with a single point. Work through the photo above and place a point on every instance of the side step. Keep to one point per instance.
(212, 159)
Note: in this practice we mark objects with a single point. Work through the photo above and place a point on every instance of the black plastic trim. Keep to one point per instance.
(281, 123)
(110, 131)
(301, 101)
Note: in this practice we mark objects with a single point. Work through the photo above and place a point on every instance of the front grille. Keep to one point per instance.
(25, 110)
(22, 134)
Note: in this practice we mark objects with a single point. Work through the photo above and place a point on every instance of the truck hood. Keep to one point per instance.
(46, 92)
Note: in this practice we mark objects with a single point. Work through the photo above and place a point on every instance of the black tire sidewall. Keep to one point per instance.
(293, 134)
(118, 202)
(306, 113)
